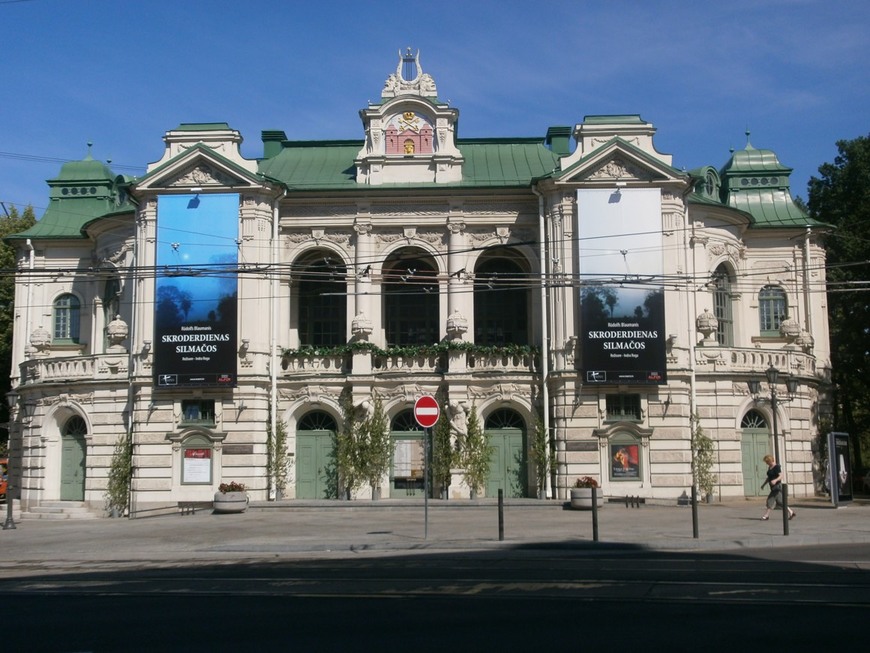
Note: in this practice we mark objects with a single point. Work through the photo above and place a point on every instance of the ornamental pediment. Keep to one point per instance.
(618, 169)
(198, 167)
(619, 161)
(203, 174)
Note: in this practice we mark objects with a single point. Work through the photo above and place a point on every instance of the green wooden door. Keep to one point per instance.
(314, 465)
(72, 467)
(316, 476)
(754, 445)
(507, 464)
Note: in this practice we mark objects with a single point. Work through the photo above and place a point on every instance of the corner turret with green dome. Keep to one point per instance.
(82, 192)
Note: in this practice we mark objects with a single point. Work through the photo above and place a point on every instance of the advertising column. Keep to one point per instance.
(196, 291)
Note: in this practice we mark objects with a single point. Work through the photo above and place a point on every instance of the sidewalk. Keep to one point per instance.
(297, 529)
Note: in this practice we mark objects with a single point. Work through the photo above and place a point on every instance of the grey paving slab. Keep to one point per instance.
(295, 529)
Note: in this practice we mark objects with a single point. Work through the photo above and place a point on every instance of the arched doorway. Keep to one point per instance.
(754, 445)
(505, 431)
(316, 476)
(73, 459)
(407, 466)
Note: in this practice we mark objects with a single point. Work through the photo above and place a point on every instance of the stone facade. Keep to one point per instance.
(410, 232)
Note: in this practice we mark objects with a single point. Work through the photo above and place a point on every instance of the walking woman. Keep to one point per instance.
(774, 479)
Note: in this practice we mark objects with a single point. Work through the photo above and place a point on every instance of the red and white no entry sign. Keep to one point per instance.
(426, 411)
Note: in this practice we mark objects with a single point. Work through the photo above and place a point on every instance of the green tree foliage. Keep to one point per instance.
(443, 453)
(540, 454)
(476, 455)
(13, 223)
(345, 467)
(703, 459)
(841, 197)
(278, 461)
(120, 475)
(373, 441)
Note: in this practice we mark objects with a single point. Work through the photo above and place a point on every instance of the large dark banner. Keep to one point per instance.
(622, 304)
(196, 290)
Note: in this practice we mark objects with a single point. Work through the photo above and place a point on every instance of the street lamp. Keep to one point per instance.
(791, 384)
(12, 401)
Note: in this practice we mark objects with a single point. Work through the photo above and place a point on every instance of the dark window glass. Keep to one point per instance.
(772, 309)
(623, 407)
(322, 303)
(722, 306)
(500, 303)
(67, 318)
(410, 295)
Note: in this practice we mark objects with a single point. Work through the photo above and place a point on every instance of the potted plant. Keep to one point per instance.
(581, 493)
(231, 497)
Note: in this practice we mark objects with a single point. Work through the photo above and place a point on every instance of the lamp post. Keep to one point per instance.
(9, 524)
(791, 383)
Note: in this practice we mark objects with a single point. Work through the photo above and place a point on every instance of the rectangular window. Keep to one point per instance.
(623, 407)
(772, 310)
(67, 317)
(197, 411)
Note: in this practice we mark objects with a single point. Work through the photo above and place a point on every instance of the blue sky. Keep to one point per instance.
(120, 74)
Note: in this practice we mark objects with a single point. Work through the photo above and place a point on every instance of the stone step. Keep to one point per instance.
(60, 510)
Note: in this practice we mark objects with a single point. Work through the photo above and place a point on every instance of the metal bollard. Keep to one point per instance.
(500, 515)
(594, 514)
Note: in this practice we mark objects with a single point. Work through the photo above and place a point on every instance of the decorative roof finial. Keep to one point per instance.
(748, 144)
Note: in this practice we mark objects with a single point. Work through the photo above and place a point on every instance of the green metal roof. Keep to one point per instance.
(314, 165)
(756, 182)
(329, 165)
(505, 162)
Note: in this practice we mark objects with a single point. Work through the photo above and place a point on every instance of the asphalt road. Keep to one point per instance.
(797, 599)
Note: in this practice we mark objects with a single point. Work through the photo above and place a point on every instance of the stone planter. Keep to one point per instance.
(581, 498)
(230, 501)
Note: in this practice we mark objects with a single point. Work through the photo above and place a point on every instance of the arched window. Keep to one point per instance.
(753, 420)
(504, 418)
(75, 425)
(322, 301)
(501, 300)
(772, 310)
(722, 306)
(317, 420)
(67, 318)
(405, 421)
(410, 295)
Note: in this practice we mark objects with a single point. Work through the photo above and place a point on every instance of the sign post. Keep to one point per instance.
(426, 412)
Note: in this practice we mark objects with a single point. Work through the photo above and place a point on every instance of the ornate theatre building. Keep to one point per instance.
(575, 284)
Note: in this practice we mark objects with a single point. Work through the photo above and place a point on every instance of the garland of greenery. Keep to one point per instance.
(412, 351)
